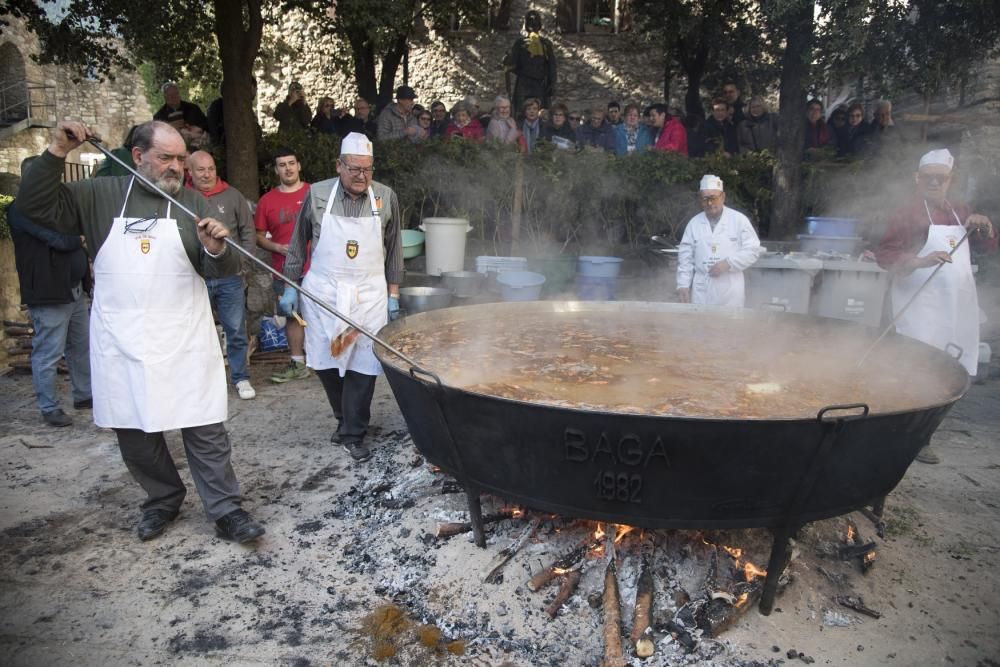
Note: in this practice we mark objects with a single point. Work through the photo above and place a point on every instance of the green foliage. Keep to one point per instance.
(585, 201)
(5, 201)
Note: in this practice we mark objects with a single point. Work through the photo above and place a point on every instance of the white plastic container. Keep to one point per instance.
(851, 291)
(445, 244)
(781, 284)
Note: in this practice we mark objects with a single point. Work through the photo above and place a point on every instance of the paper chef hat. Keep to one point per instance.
(355, 143)
(941, 157)
(710, 182)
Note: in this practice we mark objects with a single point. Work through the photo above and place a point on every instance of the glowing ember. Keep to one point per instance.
(734, 552)
(751, 572)
(850, 533)
(622, 531)
(869, 558)
(517, 513)
(742, 600)
(599, 532)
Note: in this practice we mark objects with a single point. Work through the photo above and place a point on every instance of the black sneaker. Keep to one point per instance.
(238, 526)
(57, 418)
(358, 451)
(153, 523)
(86, 404)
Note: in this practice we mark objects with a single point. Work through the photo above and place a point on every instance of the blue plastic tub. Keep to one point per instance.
(520, 285)
(592, 266)
(832, 226)
(589, 288)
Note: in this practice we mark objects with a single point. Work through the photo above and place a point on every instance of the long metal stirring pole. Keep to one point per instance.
(249, 255)
(912, 299)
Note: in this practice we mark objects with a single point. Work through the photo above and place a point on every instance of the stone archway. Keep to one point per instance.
(13, 84)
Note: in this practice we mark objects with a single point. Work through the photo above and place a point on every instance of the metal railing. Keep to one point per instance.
(27, 100)
(75, 171)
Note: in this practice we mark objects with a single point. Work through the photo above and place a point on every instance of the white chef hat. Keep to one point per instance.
(355, 143)
(710, 182)
(941, 157)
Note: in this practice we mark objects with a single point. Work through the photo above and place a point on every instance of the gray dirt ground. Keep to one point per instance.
(79, 588)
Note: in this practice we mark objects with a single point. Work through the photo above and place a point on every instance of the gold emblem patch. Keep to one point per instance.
(952, 241)
(144, 246)
(352, 249)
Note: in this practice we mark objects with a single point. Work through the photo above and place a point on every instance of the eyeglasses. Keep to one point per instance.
(358, 171)
(710, 199)
(933, 179)
(141, 225)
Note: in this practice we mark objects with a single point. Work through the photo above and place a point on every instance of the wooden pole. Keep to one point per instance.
(515, 212)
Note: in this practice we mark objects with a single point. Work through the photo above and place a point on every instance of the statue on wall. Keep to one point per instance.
(531, 61)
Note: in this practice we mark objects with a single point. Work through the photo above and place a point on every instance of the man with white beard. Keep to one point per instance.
(154, 355)
(718, 245)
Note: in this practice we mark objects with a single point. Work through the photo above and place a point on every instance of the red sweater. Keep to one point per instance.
(673, 137)
(473, 131)
(906, 232)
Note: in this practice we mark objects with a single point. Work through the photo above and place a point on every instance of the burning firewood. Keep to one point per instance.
(641, 636)
(857, 604)
(508, 552)
(452, 528)
(566, 562)
(855, 546)
(613, 655)
(570, 581)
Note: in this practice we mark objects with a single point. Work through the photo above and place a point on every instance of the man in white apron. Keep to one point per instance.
(356, 266)
(718, 244)
(154, 355)
(918, 238)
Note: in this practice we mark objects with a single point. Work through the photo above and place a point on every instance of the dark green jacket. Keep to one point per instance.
(89, 207)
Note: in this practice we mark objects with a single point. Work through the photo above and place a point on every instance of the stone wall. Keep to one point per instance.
(592, 68)
(110, 108)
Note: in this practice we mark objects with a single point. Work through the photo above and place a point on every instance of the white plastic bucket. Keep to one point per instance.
(445, 244)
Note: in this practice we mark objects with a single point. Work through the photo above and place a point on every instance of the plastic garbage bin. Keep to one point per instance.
(851, 291)
(781, 283)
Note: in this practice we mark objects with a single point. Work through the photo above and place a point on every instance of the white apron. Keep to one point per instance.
(712, 246)
(947, 310)
(348, 272)
(155, 361)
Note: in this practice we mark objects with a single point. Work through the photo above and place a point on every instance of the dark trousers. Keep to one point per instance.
(207, 448)
(351, 399)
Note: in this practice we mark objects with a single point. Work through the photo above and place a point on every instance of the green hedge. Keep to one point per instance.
(5, 201)
(588, 201)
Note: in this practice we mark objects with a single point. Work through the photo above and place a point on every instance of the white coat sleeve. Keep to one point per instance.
(749, 246)
(685, 258)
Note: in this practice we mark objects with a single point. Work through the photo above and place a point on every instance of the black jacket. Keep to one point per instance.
(50, 265)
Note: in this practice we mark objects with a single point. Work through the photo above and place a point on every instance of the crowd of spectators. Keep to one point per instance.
(730, 126)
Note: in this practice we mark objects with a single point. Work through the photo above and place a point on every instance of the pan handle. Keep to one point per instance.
(955, 351)
(821, 415)
(416, 371)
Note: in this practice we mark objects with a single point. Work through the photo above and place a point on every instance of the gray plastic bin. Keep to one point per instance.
(780, 283)
(851, 291)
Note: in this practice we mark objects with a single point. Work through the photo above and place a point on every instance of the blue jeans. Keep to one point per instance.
(229, 300)
(61, 329)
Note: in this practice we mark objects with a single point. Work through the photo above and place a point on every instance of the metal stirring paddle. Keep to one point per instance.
(912, 299)
(96, 142)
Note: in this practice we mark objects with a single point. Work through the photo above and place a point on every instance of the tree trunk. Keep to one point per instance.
(786, 210)
(238, 27)
(502, 21)
(390, 64)
(364, 67)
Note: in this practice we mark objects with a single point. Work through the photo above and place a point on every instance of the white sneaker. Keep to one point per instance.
(244, 389)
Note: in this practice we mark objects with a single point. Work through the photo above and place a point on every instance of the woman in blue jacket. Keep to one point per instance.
(631, 135)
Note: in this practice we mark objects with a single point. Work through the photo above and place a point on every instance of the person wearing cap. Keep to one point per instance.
(531, 61)
(356, 267)
(155, 362)
(718, 245)
(919, 237)
(396, 120)
(293, 112)
(179, 112)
